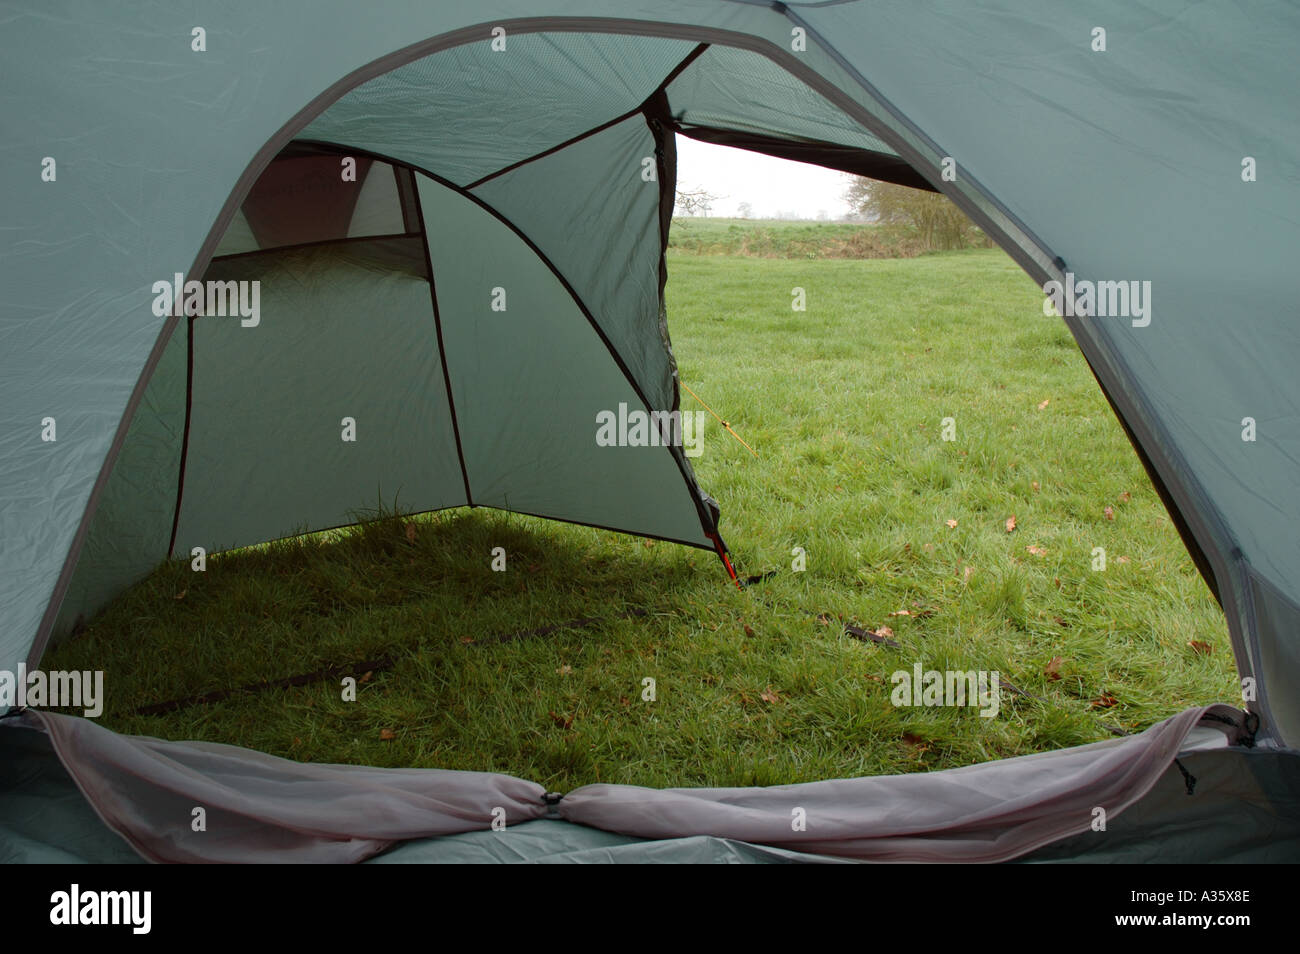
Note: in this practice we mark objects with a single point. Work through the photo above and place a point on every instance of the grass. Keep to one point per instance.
(844, 404)
(767, 238)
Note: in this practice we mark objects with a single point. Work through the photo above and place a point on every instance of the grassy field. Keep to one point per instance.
(844, 403)
(764, 238)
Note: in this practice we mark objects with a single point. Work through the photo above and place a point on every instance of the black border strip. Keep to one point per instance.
(437, 323)
(185, 436)
(851, 159)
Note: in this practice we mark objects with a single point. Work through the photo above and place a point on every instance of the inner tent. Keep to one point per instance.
(457, 269)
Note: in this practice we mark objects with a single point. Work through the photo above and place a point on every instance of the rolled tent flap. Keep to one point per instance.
(257, 807)
(990, 812)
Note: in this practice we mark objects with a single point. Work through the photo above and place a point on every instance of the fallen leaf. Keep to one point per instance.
(884, 632)
(823, 619)
(749, 630)
(1037, 551)
(952, 524)
(624, 701)
(969, 571)
(387, 735)
(875, 679)
(410, 532)
(1110, 513)
(1200, 648)
(1034, 485)
(467, 640)
(1125, 497)
(1122, 559)
(928, 547)
(181, 594)
(366, 678)
(919, 744)
(1044, 404)
(1104, 701)
(1061, 622)
(563, 722)
(770, 695)
(1053, 668)
(1011, 523)
(564, 670)
(901, 613)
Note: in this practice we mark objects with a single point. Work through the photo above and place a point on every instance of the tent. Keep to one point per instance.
(428, 247)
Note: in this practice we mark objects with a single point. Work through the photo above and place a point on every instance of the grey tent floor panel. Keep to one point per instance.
(1245, 808)
(560, 842)
(44, 818)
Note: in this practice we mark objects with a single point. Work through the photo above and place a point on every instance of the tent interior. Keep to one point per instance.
(505, 222)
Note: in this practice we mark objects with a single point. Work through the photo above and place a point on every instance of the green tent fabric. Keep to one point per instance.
(508, 146)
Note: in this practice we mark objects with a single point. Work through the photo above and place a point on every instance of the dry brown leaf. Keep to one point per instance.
(1044, 404)
(1104, 701)
(1110, 513)
(366, 678)
(564, 670)
(749, 630)
(1037, 551)
(952, 524)
(410, 532)
(884, 632)
(1061, 622)
(770, 695)
(467, 640)
(1200, 648)
(919, 743)
(1122, 559)
(1034, 485)
(181, 594)
(1125, 497)
(1011, 523)
(1053, 670)
(563, 722)
(969, 571)
(901, 613)
(387, 735)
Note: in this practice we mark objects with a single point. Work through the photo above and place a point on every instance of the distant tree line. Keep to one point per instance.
(939, 223)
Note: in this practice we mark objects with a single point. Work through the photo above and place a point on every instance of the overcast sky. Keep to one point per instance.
(771, 186)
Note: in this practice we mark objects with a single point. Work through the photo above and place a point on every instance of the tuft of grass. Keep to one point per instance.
(845, 403)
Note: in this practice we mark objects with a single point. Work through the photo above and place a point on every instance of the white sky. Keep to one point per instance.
(772, 186)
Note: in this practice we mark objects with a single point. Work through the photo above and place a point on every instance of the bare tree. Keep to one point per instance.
(690, 201)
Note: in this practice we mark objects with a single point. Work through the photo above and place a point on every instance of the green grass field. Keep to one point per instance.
(844, 403)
